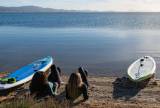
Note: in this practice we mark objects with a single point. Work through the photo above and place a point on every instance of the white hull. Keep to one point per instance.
(142, 69)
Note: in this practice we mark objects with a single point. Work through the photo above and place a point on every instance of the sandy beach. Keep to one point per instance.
(107, 92)
(111, 39)
(104, 92)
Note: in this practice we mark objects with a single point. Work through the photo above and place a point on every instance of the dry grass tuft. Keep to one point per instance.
(31, 103)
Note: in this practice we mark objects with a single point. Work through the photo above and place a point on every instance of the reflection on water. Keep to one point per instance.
(103, 51)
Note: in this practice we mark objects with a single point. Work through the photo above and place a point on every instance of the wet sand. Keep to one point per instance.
(109, 92)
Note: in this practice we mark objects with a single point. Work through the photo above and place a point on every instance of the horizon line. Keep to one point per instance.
(82, 10)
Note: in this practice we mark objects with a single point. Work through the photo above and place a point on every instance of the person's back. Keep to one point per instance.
(39, 85)
(76, 87)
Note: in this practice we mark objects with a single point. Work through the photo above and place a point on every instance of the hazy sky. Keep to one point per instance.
(101, 5)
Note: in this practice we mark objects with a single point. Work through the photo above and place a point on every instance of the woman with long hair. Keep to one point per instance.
(76, 87)
(39, 85)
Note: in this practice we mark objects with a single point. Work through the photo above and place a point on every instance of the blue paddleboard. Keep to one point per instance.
(26, 73)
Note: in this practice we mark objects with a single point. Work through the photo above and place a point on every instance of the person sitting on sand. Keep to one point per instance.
(54, 77)
(40, 86)
(76, 87)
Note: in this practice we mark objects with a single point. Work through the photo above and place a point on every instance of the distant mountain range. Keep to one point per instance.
(24, 9)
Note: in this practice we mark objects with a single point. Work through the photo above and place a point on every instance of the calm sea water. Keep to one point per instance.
(104, 43)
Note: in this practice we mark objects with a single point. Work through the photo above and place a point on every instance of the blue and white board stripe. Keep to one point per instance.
(26, 73)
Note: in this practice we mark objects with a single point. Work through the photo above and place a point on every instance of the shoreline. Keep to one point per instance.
(106, 92)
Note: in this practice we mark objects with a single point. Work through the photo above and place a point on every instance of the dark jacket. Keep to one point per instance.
(84, 75)
(54, 76)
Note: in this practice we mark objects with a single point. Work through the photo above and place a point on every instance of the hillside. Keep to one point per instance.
(24, 9)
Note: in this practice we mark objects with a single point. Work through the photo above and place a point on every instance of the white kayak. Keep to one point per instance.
(142, 69)
(25, 73)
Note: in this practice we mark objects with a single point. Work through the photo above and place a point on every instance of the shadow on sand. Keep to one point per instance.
(126, 89)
